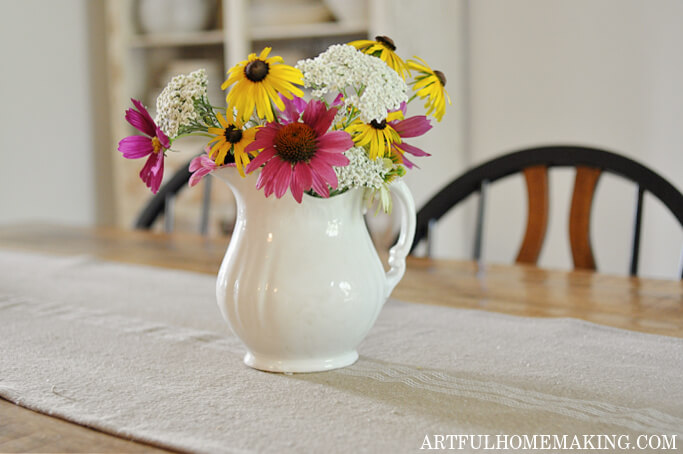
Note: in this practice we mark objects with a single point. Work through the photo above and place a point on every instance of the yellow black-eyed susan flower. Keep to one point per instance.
(258, 81)
(378, 136)
(231, 136)
(431, 84)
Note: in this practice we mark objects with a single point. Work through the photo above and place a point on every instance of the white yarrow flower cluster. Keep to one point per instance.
(361, 172)
(175, 104)
(342, 68)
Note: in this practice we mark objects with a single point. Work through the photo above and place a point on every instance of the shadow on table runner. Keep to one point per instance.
(407, 385)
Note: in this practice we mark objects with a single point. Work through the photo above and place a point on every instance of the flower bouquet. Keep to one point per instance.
(301, 283)
(350, 134)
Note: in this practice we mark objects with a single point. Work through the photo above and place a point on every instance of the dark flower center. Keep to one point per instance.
(256, 70)
(441, 76)
(387, 42)
(233, 134)
(296, 142)
(381, 125)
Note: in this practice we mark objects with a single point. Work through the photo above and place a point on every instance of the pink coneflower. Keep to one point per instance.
(410, 127)
(134, 147)
(300, 155)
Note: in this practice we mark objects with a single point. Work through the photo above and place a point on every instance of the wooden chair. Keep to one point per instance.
(534, 163)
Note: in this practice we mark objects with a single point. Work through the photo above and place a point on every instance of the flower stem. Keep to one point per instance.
(192, 134)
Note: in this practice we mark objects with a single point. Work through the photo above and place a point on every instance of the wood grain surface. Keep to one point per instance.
(646, 305)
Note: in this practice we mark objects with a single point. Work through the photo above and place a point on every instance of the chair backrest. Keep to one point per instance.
(534, 163)
(162, 203)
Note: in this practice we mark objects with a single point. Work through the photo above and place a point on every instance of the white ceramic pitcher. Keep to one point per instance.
(302, 284)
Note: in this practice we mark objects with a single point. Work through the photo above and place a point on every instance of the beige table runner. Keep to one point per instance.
(143, 353)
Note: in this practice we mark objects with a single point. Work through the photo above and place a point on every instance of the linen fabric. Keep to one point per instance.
(143, 353)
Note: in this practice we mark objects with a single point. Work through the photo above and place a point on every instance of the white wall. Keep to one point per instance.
(46, 163)
(437, 34)
(604, 73)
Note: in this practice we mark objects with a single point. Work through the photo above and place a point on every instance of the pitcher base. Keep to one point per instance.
(299, 365)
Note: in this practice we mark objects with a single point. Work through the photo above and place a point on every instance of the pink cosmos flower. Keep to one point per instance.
(201, 166)
(406, 128)
(299, 155)
(154, 146)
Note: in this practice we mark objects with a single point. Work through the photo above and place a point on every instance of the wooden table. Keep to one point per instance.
(646, 305)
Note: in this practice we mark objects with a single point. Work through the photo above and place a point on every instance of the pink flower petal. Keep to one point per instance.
(262, 177)
(323, 169)
(259, 160)
(297, 191)
(207, 162)
(266, 179)
(197, 176)
(134, 147)
(413, 126)
(338, 101)
(269, 130)
(303, 175)
(301, 180)
(195, 164)
(318, 117)
(408, 163)
(140, 119)
(163, 138)
(293, 108)
(275, 165)
(264, 137)
(404, 148)
(407, 148)
(335, 142)
(283, 179)
(319, 185)
(201, 165)
(334, 159)
(296, 188)
(153, 171)
(261, 181)
(300, 103)
(312, 110)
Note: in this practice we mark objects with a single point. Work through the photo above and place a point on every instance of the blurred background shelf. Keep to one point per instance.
(260, 33)
(198, 38)
(315, 30)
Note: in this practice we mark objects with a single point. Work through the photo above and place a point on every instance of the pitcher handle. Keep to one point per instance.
(398, 253)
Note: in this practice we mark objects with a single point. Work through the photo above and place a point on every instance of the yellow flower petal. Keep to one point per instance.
(274, 59)
(361, 43)
(215, 148)
(264, 53)
(222, 153)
